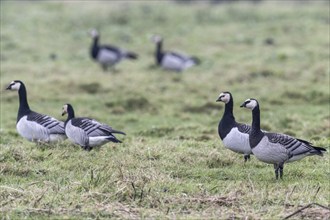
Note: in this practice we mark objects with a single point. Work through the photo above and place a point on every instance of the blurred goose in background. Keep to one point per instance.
(34, 126)
(172, 60)
(276, 148)
(234, 135)
(108, 55)
(87, 132)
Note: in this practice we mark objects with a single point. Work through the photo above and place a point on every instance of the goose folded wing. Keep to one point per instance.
(293, 145)
(52, 125)
(112, 49)
(92, 127)
(179, 56)
(243, 128)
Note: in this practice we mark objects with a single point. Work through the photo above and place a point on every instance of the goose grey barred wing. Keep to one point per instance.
(112, 48)
(243, 128)
(104, 129)
(293, 145)
(107, 128)
(53, 125)
(304, 141)
(92, 127)
(319, 150)
(179, 56)
(89, 126)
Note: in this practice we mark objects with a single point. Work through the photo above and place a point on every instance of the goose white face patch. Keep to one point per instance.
(156, 38)
(224, 97)
(251, 103)
(64, 109)
(15, 85)
(94, 33)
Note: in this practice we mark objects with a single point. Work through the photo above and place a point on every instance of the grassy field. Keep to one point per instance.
(171, 163)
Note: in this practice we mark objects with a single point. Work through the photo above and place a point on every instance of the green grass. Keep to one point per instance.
(171, 163)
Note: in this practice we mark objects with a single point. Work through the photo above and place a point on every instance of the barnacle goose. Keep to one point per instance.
(276, 148)
(87, 132)
(34, 126)
(172, 60)
(108, 55)
(234, 135)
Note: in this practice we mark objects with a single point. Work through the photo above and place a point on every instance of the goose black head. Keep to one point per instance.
(15, 85)
(68, 109)
(224, 97)
(93, 33)
(250, 103)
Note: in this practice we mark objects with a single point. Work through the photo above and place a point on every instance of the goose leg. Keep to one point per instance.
(281, 166)
(87, 148)
(104, 67)
(276, 168)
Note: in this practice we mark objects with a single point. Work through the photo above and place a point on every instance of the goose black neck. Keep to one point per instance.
(96, 41)
(95, 46)
(159, 53)
(256, 134)
(227, 121)
(70, 112)
(229, 109)
(23, 103)
(256, 119)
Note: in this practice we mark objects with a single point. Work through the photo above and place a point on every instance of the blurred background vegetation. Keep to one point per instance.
(172, 163)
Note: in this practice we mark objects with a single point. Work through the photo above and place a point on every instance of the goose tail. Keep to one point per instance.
(113, 139)
(131, 55)
(319, 150)
(196, 60)
(118, 132)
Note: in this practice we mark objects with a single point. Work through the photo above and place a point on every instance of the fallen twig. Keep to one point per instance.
(134, 191)
(317, 191)
(40, 197)
(251, 183)
(305, 207)
(7, 187)
(289, 195)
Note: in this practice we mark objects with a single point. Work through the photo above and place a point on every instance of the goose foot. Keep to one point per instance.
(87, 148)
(246, 157)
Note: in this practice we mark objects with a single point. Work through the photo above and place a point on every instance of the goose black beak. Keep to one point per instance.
(243, 105)
(218, 100)
(8, 88)
(63, 113)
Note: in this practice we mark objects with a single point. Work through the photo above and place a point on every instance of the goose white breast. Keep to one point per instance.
(86, 132)
(235, 136)
(32, 125)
